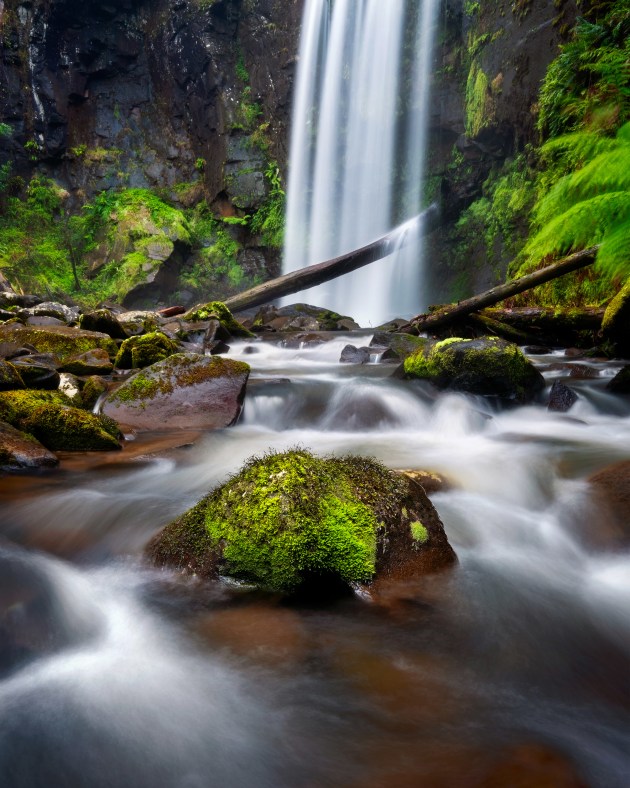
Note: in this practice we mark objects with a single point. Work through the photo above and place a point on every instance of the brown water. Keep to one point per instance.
(513, 670)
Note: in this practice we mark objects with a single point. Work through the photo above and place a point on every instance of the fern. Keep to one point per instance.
(590, 205)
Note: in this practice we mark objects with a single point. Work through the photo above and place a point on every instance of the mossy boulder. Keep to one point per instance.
(291, 520)
(103, 321)
(94, 362)
(20, 451)
(616, 322)
(488, 366)
(142, 351)
(50, 417)
(186, 390)
(9, 377)
(301, 317)
(63, 341)
(92, 389)
(217, 310)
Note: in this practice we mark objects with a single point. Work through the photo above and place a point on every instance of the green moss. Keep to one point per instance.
(49, 417)
(479, 107)
(61, 341)
(419, 532)
(142, 351)
(217, 310)
(287, 516)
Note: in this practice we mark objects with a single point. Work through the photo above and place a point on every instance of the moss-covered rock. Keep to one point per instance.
(20, 451)
(217, 310)
(290, 519)
(92, 389)
(142, 351)
(104, 321)
(616, 322)
(94, 362)
(50, 418)
(9, 377)
(489, 366)
(186, 390)
(63, 341)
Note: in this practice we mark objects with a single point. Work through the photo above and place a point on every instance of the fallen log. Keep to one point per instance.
(455, 312)
(331, 269)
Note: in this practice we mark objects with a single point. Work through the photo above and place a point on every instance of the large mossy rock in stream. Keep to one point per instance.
(291, 520)
(490, 367)
(50, 418)
(62, 341)
(186, 390)
(217, 310)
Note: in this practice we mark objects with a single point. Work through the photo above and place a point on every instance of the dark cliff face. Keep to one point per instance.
(143, 92)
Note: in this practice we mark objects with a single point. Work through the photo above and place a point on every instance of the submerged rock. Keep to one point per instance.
(611, 494)
(19, 451)
(489, 366)
(50, 417)
(354, 355)
(289, 521)
(185, 390)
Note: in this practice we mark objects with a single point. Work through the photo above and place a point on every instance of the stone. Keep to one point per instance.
(561, 398)
(67, 314)
(19, 451)
(611, 497)
(9, 377)
(294, 523)
(620, 384)
(402, 345)
(489, 367)
(303, 317)
(354, 355)
(186, 390)
(103, 321)
(8, 299)
(429, 481)
(94, 362)
(139, 322)
(93, 388)
(616, 322)
(217, 310)
(63, 341)
(38, 371)
(51, 418)
(142, 351)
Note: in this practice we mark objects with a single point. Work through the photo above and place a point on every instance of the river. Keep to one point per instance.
(115, 675)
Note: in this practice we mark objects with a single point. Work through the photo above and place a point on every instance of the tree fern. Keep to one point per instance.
(588, 206)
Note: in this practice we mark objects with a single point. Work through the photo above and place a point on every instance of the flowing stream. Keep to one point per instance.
(358, 147)
(115, 675)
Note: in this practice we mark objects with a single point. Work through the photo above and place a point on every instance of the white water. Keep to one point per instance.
(359, 139)
(108, 682)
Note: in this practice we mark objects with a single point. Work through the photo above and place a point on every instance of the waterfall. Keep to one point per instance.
(358, 148)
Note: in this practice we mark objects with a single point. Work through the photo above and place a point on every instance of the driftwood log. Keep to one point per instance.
(455, 312)
(331, 269)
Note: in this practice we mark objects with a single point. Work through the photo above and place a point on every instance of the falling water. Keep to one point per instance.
(358, 147)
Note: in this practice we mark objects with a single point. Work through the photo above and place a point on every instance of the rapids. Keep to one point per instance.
(114, 675)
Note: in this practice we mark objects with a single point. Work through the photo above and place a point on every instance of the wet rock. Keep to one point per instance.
(63, 341)
(66, 314)
(9, 377)
(50, 417)
(301, 317)
(8, 299)
(611, 494)
(217, 311)
(402, 345)
(354, 355)
(19, 451)
(620, 384)
(488, 367)
(616, 322)
(142, 351)
(94, 362)
(533, 766)
(93, 388)
(561, 398)
(104, 321)
(139, 322)
(293, 523)
(171, 311)
(38, 371)
(186, 390)
(10, 350)
(429, 481)
(44, 320)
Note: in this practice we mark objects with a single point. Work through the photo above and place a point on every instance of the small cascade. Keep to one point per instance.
(358, 148)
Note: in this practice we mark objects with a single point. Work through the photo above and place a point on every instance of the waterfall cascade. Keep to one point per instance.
(358, 147)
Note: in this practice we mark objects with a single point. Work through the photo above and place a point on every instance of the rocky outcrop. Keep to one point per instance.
(290, 522)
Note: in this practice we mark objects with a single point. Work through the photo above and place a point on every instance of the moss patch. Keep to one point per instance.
(217, 310)
(63, 341)
(142, 351)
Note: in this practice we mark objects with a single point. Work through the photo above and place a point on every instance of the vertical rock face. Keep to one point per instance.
(143, 92)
